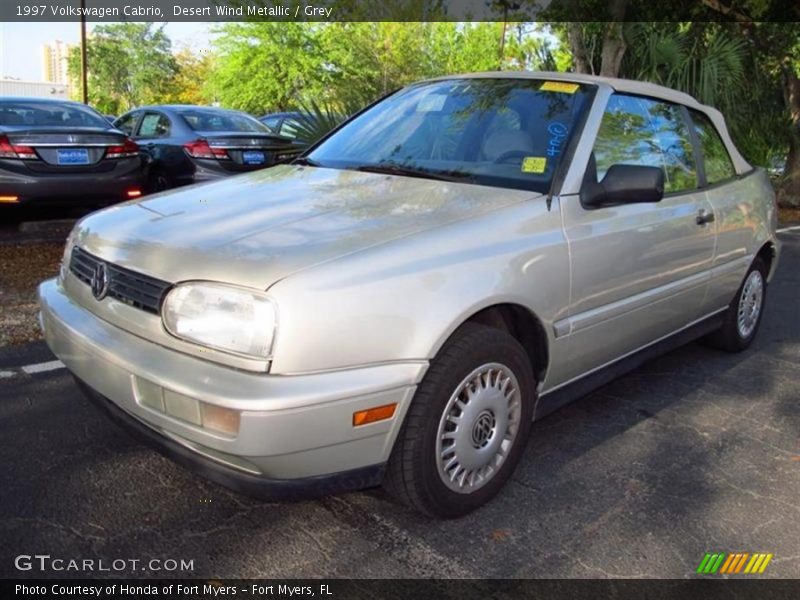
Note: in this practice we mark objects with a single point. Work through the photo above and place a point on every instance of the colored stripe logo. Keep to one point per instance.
(734, 563)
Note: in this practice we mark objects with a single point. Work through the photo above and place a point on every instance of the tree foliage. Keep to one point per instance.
(267, 65)
(262, 67)
(192, 82)
(129, 64)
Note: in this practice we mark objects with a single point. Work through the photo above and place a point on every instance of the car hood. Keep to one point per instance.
(256, 229)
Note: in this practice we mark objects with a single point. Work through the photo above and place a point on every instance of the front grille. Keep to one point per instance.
(130, 287)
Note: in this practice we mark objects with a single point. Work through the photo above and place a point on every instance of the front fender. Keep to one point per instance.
(401, 301)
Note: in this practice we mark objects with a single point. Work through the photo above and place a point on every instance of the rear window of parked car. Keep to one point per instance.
(716, 160)
(641, 131)
(48, 114)
(213, 120)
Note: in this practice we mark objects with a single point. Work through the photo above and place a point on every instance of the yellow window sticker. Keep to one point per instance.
(559, 86)
(534, 164)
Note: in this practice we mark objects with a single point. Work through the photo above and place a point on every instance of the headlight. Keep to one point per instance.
(221, 316)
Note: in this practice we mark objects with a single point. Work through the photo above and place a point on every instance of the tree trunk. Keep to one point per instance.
(613, 50)
(578, 48)
(613, 41)
(789, 194)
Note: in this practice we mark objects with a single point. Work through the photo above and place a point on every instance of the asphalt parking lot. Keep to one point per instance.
(698, 451)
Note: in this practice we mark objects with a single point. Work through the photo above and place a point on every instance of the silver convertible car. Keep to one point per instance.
(401, 303)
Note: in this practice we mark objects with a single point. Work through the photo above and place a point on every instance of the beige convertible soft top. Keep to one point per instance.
(629, 86)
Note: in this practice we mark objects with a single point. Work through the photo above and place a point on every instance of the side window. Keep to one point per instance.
(126, 122)
(716, 159)
(673, 138)
(154, 125)
(639, 131)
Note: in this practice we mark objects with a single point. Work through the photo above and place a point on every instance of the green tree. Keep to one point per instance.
(528, 50)
(192, 83)
(129, 64)
(364, 61)
(466, 47)
(264, 66)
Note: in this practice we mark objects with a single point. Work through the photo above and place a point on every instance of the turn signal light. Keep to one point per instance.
(9, 199)
(219, 418)
(371, 415)
(133, 193)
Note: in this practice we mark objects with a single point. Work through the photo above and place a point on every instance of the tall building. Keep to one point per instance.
(54, 62)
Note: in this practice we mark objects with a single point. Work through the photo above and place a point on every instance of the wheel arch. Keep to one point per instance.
(769, 254)
(523, 325)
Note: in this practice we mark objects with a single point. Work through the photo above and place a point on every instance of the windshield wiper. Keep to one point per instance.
(407, 171)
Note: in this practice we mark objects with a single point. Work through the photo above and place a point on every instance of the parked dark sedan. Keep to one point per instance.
(58, 152)
(191, 144)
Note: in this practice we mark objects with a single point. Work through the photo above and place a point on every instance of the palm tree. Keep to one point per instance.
(316, 119)
(716, 67)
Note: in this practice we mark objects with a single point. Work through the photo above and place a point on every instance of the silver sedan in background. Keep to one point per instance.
(400, 304)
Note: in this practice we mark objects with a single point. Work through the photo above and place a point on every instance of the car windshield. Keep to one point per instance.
(49, 114)
(502, 132)
(222, 120)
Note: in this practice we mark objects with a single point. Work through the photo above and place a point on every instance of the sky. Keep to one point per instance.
(20, 43)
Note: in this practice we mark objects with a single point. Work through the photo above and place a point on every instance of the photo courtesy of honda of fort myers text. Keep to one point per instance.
(211, 589)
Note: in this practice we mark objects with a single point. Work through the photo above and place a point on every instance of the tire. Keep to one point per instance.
(433, 427)
(737, 334)
(158, 181)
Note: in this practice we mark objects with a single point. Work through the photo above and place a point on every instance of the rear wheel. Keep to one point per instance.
(744, 313)
(158, 181)
(467, 425)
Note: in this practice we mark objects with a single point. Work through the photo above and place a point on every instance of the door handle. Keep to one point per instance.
(704, 217)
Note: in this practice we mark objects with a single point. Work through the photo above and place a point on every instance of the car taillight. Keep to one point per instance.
(9, 150)
(201, 149)
(128, 149)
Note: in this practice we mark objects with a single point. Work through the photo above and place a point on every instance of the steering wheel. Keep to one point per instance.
(509, 154)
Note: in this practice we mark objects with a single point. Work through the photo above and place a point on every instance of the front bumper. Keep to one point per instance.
(295, 431)
(252, 485)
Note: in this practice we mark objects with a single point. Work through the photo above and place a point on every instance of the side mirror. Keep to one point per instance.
(625, 184)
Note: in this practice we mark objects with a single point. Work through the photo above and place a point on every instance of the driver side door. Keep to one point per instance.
(639, 271)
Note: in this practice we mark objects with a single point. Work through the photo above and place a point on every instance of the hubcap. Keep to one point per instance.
(478, 428)
(750, 303)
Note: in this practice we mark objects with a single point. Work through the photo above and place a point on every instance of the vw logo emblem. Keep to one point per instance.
(100, 281)
(482, 429)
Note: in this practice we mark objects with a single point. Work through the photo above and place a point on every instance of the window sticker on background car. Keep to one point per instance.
(431, 103)
(559, 86)
(534, 164)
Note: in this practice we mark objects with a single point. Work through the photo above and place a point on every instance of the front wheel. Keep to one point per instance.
(744, 313)
(467, 425)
